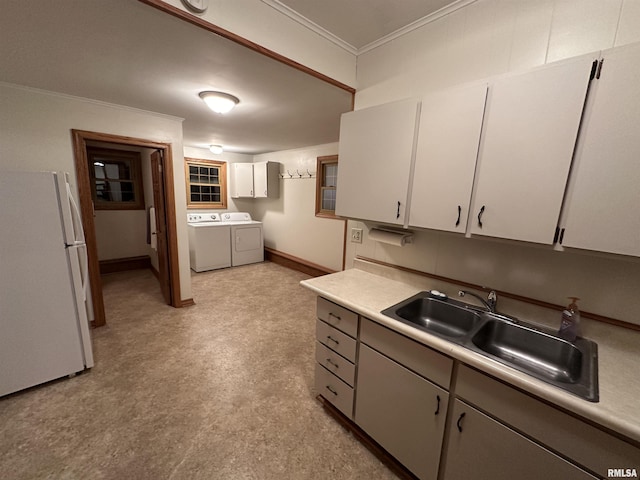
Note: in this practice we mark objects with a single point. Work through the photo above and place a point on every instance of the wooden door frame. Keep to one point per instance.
(80, 138)
(159, 201)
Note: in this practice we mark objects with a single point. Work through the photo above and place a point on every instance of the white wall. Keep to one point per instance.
(486, 38)
(491, 37)
(256, 21)
(35, 134)
(289, 222)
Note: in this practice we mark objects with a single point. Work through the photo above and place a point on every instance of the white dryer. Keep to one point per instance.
(247, 241)
(209, 242)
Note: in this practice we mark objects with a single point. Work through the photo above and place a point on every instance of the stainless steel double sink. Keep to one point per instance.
(572, 367)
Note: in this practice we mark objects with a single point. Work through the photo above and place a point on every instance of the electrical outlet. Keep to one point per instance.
(356, 235)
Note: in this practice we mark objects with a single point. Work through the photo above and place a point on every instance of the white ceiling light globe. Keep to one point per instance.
(219, 102)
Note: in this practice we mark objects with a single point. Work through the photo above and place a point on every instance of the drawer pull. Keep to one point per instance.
(458, 423)
(332, 390)
(332, 363)
(438, 406)
(333, 340)
(337, 317)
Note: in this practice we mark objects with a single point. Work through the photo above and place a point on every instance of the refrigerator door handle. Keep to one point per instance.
(84, 265)
(77, 221)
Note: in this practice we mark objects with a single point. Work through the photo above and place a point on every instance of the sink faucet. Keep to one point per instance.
(489, 303)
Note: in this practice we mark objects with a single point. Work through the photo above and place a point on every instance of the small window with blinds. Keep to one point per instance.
(326, 181)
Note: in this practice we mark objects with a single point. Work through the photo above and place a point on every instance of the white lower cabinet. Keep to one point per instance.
(401, 411)
(482, 448)
(401, 397)
(546, 429)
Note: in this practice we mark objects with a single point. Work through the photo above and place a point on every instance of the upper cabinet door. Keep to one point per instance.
(241, 180)
(450, 125)
(376, 155)
(529, 134)
(260, 180)
(266, 182)
(604, 194)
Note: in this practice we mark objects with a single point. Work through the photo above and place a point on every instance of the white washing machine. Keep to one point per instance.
(209, 242)
(247, 241)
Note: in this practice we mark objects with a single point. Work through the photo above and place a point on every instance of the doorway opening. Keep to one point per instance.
(160, 165)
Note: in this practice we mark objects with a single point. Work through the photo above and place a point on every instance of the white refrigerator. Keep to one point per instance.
(44, 298)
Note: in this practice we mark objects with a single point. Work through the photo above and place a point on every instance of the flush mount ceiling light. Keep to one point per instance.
(217, 149)
(219, 102)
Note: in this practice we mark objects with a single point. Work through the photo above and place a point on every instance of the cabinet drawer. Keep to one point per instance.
(334, 390)
(413, 355)
(336, 340)
(338, 317)
(336, 364)
(584, 443)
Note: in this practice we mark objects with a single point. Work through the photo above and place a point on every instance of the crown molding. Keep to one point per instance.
(444, 11)
(304, 21)
(432, 17)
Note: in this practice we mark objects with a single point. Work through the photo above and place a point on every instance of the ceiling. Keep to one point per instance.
(127, 53)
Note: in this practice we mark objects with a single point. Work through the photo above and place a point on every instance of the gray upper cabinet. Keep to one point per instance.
(529, 133)
(603, 197)
(450, 126)
(376, 159)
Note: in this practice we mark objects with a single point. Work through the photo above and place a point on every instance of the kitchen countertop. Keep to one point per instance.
(618, 350)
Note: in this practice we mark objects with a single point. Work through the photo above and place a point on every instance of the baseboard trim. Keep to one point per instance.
(155, 272)
(124, 264)
(188, 302)
(295, 263)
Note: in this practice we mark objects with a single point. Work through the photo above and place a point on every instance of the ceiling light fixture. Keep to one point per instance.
(219, 102)
(217, 149)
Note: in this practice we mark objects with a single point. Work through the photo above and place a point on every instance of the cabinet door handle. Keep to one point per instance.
(398, 212)
(333, 340)
(332, 390)
(438, 406)
(459, 422)
(480, 216)
(332, 363)
(459, 213)
(337, 317)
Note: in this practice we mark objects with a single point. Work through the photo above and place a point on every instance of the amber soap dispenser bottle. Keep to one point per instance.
(570, 324)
